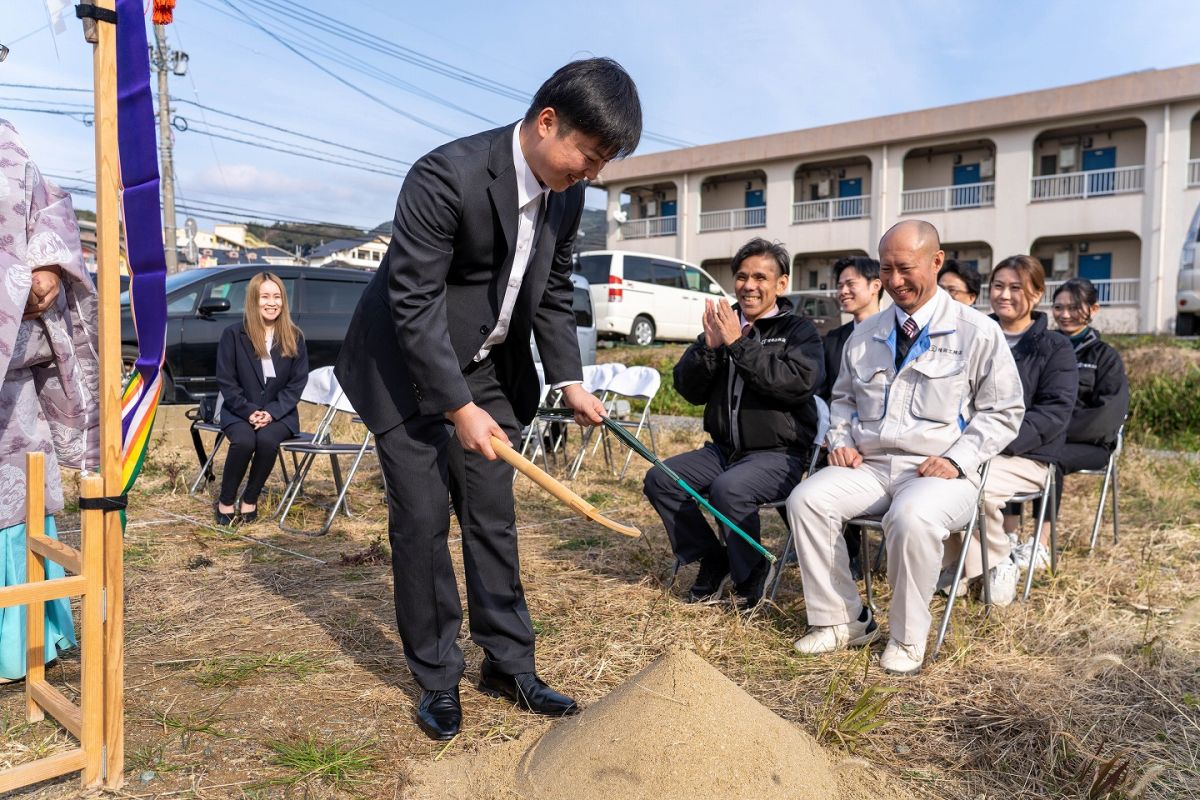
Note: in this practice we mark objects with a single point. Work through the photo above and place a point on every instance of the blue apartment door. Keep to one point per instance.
(755, 200)
(1102, 158)
(966, 181)
(849, 202)
(667, 226)
(1097, 268)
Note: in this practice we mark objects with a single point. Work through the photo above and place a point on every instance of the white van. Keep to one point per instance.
(642, 297)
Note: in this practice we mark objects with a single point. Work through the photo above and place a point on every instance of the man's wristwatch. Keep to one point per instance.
(954, 464)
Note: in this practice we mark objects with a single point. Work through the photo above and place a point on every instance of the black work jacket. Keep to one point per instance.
(1103, 399)
(766, 403)
(245, 390)
(1050, 382)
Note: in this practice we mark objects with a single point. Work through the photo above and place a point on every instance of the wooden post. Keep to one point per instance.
(108, 265)
(35, 572)
(91, 637)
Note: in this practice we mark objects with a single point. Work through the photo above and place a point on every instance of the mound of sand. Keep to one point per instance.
(677, 729)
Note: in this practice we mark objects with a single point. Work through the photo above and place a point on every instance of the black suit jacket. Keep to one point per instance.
(834, 342)
(245, 390)
(437, 292)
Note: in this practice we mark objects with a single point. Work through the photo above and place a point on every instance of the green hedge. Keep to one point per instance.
(1165, 410)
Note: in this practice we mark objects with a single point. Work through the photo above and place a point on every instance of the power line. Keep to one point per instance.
(335, 76)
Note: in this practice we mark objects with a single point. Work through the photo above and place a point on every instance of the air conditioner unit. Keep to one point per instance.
(987, 168)
(1066, 156)
(823, 189)
(1062, 262)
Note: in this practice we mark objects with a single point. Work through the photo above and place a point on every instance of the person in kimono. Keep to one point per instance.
(49, 368)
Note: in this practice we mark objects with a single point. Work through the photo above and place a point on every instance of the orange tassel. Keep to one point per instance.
(164, 12)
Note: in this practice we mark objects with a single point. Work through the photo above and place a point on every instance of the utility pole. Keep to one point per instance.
(163, 60)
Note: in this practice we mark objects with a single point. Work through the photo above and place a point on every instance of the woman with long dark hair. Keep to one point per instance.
(262, 366)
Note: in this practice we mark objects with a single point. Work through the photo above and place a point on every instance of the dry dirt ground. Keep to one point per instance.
(267, 665)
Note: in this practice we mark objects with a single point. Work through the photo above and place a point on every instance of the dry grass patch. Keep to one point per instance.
(240, 641)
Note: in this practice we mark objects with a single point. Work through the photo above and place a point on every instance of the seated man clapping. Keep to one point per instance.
(755, 369)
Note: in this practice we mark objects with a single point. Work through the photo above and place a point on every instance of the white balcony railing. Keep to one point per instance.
(831, 210)
(1112, 292)
(733, 219)
(1193, 173)
(948, 198)
(1093, 183)
(649, 227)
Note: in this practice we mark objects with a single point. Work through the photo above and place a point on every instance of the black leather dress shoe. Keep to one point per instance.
(525, 689)
(249, 517)
(221, 517)
(440, 713)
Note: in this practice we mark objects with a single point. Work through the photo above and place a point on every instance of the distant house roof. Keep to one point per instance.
(336, 246)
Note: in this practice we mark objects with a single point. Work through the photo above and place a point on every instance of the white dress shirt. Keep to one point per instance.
(530, 196)
(268, 366)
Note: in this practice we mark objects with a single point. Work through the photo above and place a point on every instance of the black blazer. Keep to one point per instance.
(833, 343)
(437, 292)
(240, 376)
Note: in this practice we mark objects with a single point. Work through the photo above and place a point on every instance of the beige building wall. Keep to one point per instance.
(979, 252)
(1130, 144)
(720, 195)
(809, 177)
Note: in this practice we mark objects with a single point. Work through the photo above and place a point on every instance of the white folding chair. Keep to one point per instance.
(327, 392)
(596, 378)
(633, 384)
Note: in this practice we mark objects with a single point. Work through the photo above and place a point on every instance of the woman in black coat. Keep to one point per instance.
(262, 366)
(1103, 399)
(1049, 382)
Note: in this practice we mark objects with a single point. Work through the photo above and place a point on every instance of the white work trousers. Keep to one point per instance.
(918, 515)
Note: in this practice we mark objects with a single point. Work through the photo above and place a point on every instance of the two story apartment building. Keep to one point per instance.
(1098, 179)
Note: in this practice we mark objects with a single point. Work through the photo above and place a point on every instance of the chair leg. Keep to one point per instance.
(1047, 502)
(779, 566)
(345, 486)
(293, 490)
(206, 469)
(981, 530)
(864, 558)
(1100, 507)
(976, 524)
(1116, 514)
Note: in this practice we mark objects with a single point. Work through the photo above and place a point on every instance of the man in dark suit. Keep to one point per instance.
(437, 361)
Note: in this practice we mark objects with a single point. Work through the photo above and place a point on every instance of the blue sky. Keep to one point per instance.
(707, 71)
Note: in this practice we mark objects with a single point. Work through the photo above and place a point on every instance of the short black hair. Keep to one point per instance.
(867, 267)
(968, 274)
(759, 246)
(597, 97)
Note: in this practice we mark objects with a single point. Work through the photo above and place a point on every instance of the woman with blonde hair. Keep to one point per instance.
(262, 366)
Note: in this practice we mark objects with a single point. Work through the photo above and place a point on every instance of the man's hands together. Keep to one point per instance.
(721, 324)
(43, 291)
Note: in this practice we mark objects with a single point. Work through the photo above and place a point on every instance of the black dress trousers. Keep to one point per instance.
(422, 463)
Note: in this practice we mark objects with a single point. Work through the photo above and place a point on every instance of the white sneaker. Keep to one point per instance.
(1041, 558)
(1013, 541)
(1004, 577)
(902, 659)
(822, 639)
(1020, 554)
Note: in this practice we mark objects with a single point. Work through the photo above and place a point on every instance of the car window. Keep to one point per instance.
(694, 279)
(594, 268)
(331, 296)
(638, 268)
(184, 303)
(235, 292)
(581, 303)
(668, 275)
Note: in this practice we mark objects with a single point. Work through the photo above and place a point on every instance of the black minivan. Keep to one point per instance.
(201, 303)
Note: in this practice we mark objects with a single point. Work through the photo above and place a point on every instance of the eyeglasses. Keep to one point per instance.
(956, 293)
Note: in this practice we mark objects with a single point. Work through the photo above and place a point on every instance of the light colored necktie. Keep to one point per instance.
(910, 327)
